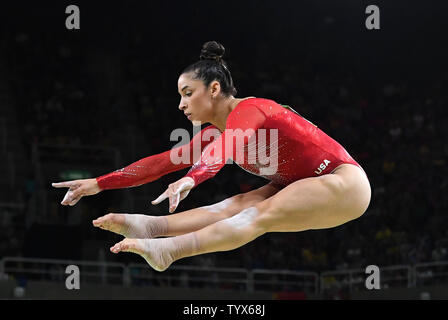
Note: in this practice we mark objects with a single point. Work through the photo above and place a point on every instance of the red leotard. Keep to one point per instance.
(302, 151)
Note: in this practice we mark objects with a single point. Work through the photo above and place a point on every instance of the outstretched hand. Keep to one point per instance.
(77, 189)
(176, 192)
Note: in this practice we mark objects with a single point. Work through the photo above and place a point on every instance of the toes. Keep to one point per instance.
(127, 245)
(104, 220)
(117, 247)
(98, 222)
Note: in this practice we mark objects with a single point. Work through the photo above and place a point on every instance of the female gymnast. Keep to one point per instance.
(314, 182)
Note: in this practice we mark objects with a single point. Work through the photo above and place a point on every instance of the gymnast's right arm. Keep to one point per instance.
(136, 174)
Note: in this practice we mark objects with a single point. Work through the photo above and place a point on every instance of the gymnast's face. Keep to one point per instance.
(196, 99)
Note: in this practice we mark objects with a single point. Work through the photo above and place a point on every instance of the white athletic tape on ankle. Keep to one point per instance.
(242, 219)
(161, 253)
(157, 252)
(218, 207)
(143, 226)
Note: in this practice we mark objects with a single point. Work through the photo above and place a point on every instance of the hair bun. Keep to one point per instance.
(212, 50)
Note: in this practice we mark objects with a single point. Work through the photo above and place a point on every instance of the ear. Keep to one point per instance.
(215, 88)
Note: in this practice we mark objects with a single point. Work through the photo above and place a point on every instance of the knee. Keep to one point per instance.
(238, 199)
(363, 202)
(250, 220)
(267, 215)
(361, 195)
(247, 199)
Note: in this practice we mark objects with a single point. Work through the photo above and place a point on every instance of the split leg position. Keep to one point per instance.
(313, 203)
(140, 226)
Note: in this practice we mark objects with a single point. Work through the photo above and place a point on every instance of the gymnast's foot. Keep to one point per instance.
(138, 226)
(156, 252)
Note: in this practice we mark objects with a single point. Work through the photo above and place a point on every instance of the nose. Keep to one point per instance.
(182, 105)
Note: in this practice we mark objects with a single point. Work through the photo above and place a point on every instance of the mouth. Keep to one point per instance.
(188, 115)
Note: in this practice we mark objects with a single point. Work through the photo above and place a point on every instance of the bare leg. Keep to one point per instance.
(141, 226)
(196, 219)
(313, 203)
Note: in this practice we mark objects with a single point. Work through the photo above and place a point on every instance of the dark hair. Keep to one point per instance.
(212, 67)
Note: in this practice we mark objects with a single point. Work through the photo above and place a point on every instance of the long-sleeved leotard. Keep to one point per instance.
(153, 167)
(261, 136)
(293, 147)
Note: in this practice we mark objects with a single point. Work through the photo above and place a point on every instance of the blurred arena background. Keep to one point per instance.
(81, 103)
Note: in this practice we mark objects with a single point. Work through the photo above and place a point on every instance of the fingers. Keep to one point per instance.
(162, 197)
(75, 201)
(65, 184)
(184, 194)
(176, 192)
(74, 193)
(67, 198)
(71, 198)
(174, 198)
(174, 201)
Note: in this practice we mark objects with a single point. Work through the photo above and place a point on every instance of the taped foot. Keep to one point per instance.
(156, 252)
(134, 226)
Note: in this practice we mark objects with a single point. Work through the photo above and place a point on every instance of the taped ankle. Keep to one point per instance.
(161, 253)
(141, 226)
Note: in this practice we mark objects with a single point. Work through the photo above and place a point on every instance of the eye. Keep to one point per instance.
(188, 94)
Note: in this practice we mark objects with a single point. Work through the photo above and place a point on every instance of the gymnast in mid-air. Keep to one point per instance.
(314, 183)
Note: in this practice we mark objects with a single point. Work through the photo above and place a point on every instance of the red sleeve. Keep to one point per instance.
(241, 127)
(153, 167)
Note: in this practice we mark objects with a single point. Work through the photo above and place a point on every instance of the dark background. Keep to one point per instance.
(97, 99)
